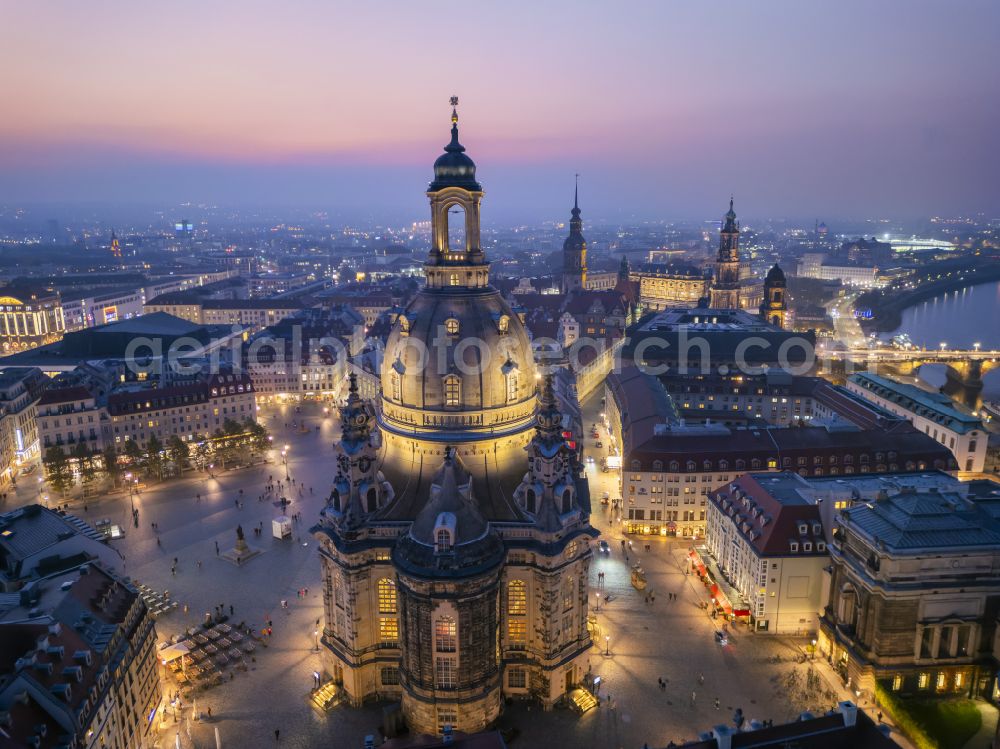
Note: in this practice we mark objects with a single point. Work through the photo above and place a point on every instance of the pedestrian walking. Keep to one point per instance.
(693, 695)
(277, 735)
(701, 678)
(230, 609)
(209, 712)
(216, 548)
(716, 703)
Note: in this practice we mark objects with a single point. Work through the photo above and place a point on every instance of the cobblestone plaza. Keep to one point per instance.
(635, 642)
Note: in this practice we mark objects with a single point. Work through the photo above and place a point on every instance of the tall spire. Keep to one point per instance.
(576, 196)
(454, 146)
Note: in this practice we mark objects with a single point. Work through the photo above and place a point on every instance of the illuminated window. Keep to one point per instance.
(389, 676)
(388, 629)
(923, 680)
(394, 380)
(451, 326)
(453, 279)
(517, 634)
(897, 683)
(386, 596)
(517, 598)
(511, 387)
(504, 323)
(452, 391)
(567, 592)
(958, 681)
(517, 678)
(445, 635)
(941, 680)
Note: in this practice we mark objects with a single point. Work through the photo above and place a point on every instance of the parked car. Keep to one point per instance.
(602, 546)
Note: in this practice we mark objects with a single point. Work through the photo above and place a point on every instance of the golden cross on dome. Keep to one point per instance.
(454, 101)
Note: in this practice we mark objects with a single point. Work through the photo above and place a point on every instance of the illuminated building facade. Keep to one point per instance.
(29, 318)
(455, 543)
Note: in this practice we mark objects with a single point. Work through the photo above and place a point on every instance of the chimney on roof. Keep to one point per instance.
(723, 736)
(850, 712)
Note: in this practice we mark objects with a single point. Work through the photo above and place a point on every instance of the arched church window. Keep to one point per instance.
(443, 540)
(395, 386)
(371, 500)
(386, 596)
(511, 387)
(530, 500)
(517, 598)
(445, 635)
(456, 229)
(335, 496)
(452, 391)
(567, 501)
(504, 323)
(451, 326)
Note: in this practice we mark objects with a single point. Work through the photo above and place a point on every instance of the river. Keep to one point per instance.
(959, 319)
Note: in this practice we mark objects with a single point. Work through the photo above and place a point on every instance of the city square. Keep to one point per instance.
(636, 641)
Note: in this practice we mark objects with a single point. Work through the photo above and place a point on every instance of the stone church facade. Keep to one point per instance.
(456, 542)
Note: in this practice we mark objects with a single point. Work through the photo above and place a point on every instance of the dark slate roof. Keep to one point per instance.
(922, 520)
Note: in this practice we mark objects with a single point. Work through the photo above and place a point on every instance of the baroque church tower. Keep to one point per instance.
(774, 308)
(725, 290)
(575, 251)
(456, 541)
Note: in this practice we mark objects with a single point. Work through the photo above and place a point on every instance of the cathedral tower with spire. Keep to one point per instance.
(456, 541)
(574, 276)
(724, 292)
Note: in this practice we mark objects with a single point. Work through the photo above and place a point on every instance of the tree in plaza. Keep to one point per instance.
(57, 469)
(232, 428)
(258, 435)
(133, 453)
(178, 451)
(154, 456)
(202, 451)
(84, 463)
(111, 467)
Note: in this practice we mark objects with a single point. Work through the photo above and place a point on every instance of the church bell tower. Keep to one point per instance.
(575, 251)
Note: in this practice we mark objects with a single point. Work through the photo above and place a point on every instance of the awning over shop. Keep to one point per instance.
(173, 652)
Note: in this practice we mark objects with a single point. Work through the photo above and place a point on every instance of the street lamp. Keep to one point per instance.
(607, 644)
(944, 345)
(976, 346)
(284, 461)
(315, 640)
(597, 597)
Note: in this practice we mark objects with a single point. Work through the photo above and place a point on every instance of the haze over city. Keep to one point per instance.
(502, 374)
(836, 109)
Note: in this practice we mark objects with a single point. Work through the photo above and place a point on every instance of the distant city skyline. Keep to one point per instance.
(829, 110)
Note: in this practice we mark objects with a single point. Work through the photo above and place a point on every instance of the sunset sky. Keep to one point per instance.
(800, 109)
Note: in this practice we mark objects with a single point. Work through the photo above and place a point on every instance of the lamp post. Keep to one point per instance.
(607, 644)
(315, 640)
(131, 499)
(597, 597)
(976, 346)
(284, 461)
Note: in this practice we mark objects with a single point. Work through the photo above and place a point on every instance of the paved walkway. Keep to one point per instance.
(987, 731)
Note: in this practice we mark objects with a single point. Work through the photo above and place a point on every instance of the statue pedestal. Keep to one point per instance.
(241, 553)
